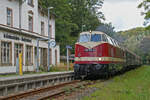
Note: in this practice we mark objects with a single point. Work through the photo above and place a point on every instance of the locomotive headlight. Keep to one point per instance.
(100, 59)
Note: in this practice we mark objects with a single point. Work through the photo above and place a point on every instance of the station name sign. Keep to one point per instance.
(15, 37)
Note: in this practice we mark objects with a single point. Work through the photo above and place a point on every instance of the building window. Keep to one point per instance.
(30, 2)
(18, 49)
(31, 23)
(42, 28)
(5, 53)
(29, 55)
(9, 17)
(50, 30)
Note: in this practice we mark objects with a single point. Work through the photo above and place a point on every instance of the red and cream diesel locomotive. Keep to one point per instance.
(97, 54)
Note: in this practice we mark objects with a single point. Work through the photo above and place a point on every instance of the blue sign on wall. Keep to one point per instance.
(68, 47)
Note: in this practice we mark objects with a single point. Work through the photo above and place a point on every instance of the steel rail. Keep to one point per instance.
(59, 93)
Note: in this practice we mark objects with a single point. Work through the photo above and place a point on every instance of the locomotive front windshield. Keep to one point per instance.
(90, 38)
(84, 38)
(96, 37)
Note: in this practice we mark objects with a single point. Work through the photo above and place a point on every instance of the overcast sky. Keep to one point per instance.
(123, 14)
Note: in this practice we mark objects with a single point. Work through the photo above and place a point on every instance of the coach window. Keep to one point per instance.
(29, 55)
(112, 52)
(96, 38)
(5, 53)
(18, 49)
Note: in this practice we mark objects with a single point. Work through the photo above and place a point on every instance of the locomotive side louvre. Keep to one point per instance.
(97, 54)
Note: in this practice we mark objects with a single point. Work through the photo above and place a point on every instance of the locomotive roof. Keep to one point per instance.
(92, 32)
(99, 32)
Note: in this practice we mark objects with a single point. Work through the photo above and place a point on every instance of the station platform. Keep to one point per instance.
(15, 84)
(32, 75)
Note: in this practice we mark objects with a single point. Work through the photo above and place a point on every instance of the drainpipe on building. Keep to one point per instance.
(20, 11)
(37, 63)
(48, 62)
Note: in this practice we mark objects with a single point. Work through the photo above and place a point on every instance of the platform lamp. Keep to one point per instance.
(49, 8)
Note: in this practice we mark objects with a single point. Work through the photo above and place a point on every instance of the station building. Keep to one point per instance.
(22, 23)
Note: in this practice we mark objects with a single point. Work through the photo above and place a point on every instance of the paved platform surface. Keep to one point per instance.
(31, 75)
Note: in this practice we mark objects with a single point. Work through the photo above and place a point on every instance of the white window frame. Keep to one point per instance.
(30, 2)
(109, 40)
(30, 23)
(29, 55)
(9, 17)
(17, 51)
(5, 53)
(42, 28)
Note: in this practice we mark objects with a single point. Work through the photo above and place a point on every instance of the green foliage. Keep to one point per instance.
(107, 28)
(71, 15)
(133, 85)
(146, 5)
(137, 40)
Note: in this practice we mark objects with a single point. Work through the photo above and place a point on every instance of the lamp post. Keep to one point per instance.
(49, 37)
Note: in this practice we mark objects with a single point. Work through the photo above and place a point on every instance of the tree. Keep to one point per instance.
(85, 13)
(71, 15)
(106, 28)
(146, 5)
(137, 40)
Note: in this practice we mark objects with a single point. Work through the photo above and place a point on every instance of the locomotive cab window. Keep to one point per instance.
(109, 40)
(84, 38)
(104, 38)
(114, 43)
(96, 38)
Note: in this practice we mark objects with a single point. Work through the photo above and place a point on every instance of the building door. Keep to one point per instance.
(50, 56)
(29, 55)
(56, 57)
(35, 56)
(43, 57)
(17, 50)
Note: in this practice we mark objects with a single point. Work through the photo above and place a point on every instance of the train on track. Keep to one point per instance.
(97, 54)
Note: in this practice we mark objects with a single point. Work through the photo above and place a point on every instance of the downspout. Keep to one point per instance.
(20, 17)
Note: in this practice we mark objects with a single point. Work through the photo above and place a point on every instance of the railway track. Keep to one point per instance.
(46, 92)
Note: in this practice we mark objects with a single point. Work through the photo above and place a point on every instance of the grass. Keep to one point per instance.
(133, 85)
